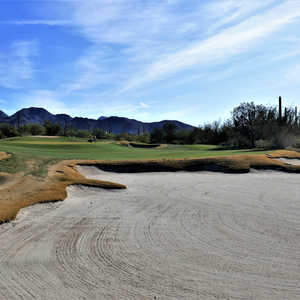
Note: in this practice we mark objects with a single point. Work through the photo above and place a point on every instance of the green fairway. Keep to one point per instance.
(42, 151)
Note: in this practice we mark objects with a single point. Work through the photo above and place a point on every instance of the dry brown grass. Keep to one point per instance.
(227, 164)
(123, 143)
(4, 155)
(28, 190)
(20, 191)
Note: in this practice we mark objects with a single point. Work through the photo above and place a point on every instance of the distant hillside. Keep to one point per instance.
(102, 118)
(3, 115)
(113, 124)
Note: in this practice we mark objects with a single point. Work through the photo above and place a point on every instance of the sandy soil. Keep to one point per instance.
(168, 236)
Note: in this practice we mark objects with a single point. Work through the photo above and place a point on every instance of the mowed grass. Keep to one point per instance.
(33, 155)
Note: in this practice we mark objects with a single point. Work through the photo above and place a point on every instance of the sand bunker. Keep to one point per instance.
(168, 236)
(290, 161)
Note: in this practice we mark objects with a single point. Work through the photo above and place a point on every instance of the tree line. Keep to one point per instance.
(250, 126)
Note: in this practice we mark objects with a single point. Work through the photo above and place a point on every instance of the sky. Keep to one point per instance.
(190, 60)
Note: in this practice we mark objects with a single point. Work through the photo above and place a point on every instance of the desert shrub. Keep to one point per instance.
(82, 134)
(51, 129)
(284, 139)
(182, 137)
(264, 144)
(238, 141)
(144, 138)
(36, 129)
(8, 130)
(99, 134)
(125, 137)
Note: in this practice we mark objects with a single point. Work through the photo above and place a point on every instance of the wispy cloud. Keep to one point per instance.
(236, 40)
(223, 12)
(144, 105)
(38, 22)
(128, 34)
(135, 43)
(43, 98)
(93, 68)
(16, 66)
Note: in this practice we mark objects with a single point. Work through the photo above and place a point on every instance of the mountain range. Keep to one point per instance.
(113, 124)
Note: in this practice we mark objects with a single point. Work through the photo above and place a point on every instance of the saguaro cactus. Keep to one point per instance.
(280, 108)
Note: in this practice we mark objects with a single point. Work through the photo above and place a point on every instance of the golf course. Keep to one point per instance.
(142, 222)
(39, 169)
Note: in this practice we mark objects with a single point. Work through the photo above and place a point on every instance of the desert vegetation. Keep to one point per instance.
(250, 126)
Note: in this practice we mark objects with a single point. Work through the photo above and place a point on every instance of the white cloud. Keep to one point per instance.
(144, 105)
(45, 99)
(16, 66)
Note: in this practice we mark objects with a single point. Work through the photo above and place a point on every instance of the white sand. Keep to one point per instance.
(290, 161)
(168, 236)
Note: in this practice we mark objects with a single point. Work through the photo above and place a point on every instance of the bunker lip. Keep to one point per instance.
(226, 164)
(27, 190)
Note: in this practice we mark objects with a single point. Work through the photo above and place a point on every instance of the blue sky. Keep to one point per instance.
(147, 59)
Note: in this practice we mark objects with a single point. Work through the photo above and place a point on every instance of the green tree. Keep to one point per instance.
(51, 129)
(36, 129)
(157, 136)
(8, 130)
(170, 130)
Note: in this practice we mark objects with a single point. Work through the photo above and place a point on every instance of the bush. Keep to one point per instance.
(144, 138)
(238, 141)
(36, 129)
(264, 144)
(82, 134)
(51, 129)
(8, 130)
(284, 139)
(100, 134)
